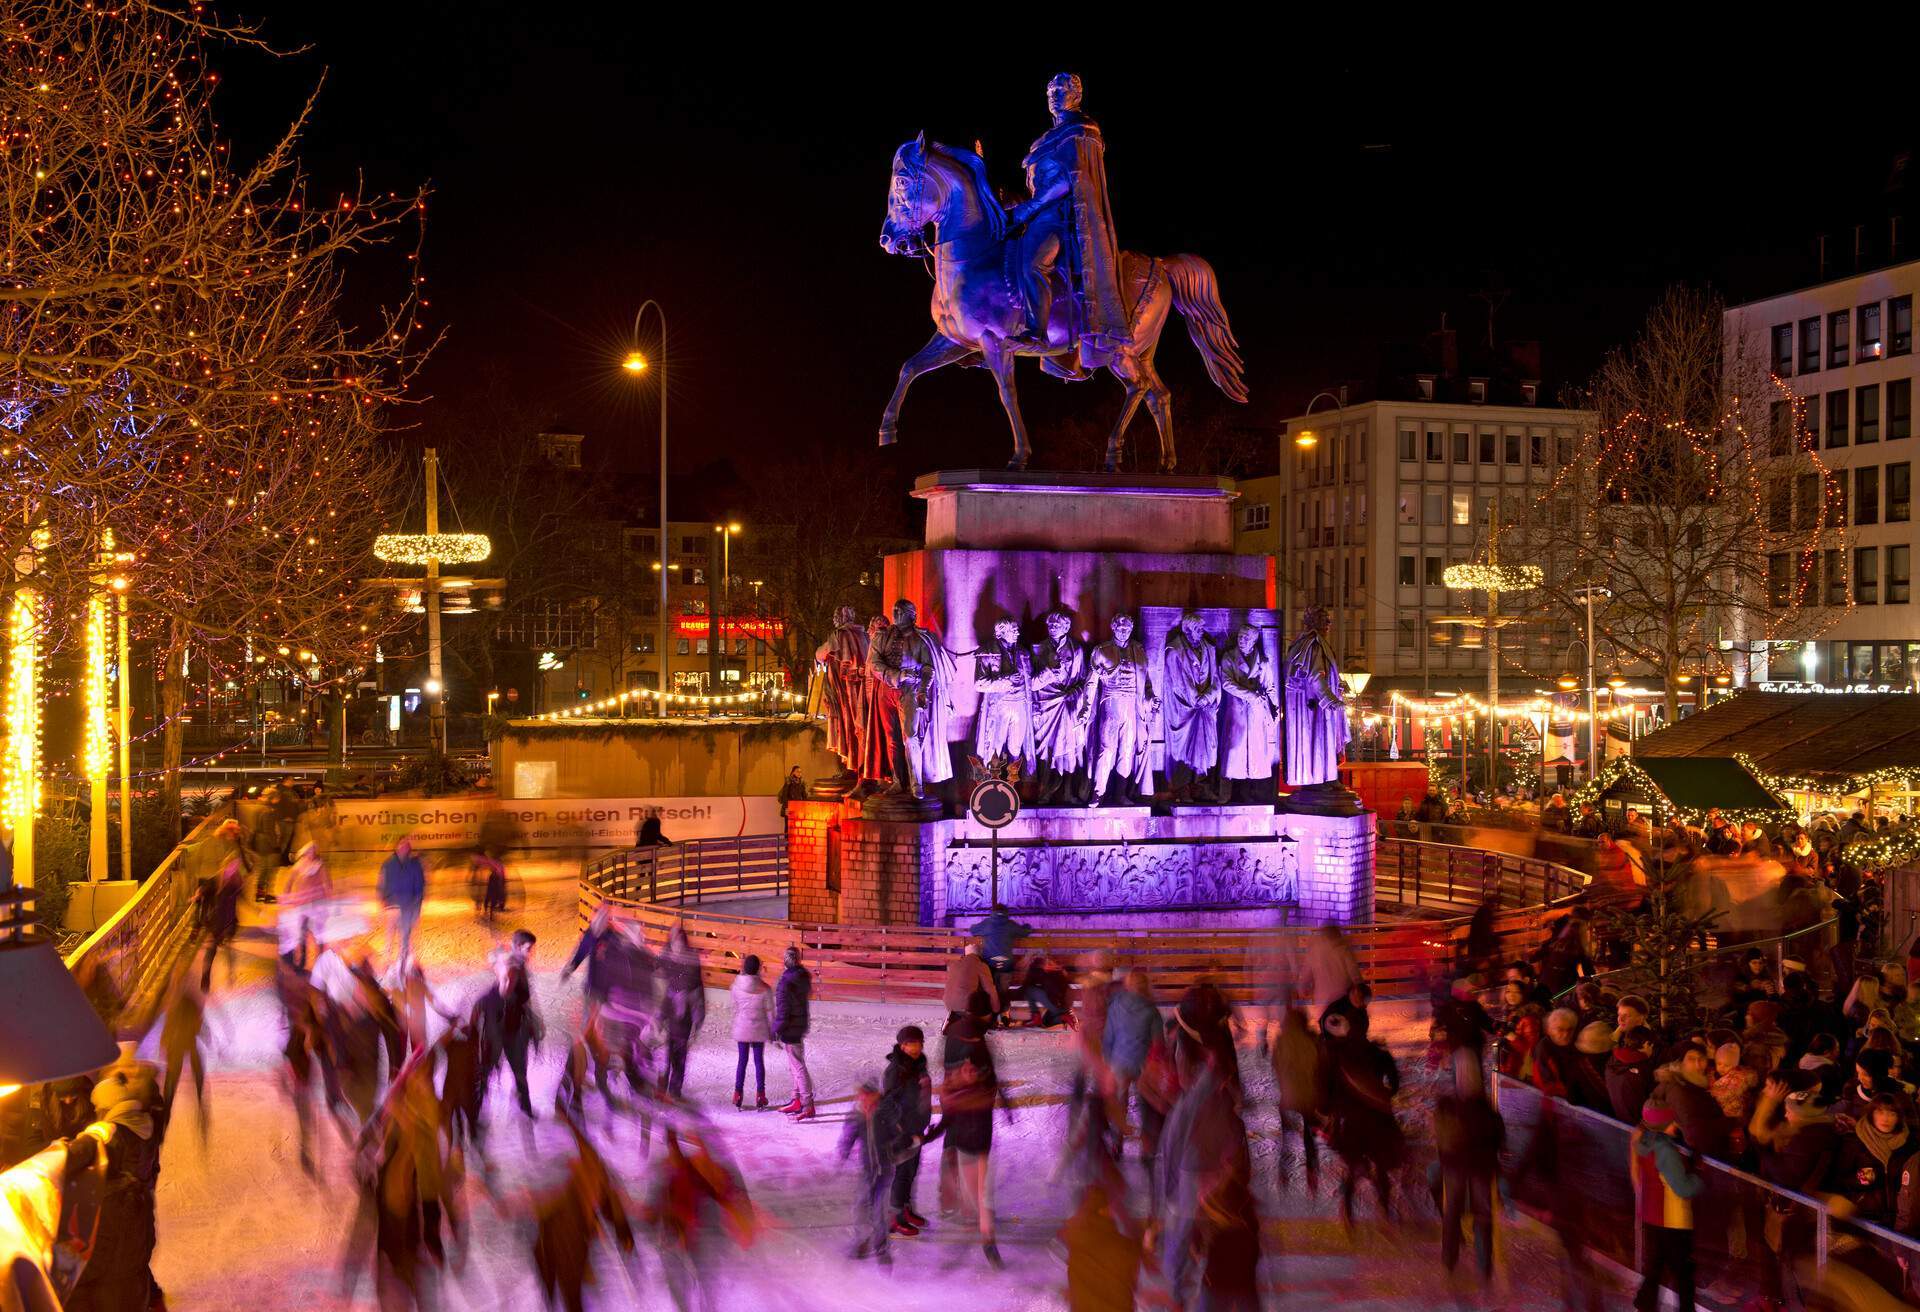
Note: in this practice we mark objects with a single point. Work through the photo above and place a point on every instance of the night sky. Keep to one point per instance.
(581, 163)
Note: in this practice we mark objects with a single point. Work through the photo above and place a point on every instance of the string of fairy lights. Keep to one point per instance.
(784, 696)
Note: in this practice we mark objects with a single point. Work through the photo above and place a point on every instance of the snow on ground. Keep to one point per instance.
(241, 1226)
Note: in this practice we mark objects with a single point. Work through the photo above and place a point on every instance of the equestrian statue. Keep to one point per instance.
(1048, 278)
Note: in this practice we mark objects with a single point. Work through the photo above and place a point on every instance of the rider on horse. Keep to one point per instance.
(1070, 227)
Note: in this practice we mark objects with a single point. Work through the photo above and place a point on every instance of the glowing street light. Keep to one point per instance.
(635, 363)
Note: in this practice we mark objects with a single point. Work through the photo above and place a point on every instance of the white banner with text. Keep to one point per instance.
(454, 822)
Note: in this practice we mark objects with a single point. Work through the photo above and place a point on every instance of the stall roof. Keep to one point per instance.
(1836, 735)
(1695, 783)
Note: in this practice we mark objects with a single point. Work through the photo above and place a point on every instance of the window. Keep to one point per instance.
(1436, 507)
(1477, 391)
(693, 546)
(1899, 575)
(1409, 444)
(1462, 448)
(1537, 449)
(1779, 578)
(1779, 419)
(1810, 345)
(1836, 481)
(1836, 576)
(1513, 448)
(1899, 409)
(1462, 506)
(1810, 422)
(1563, 449)
(1866, 494)
(1780, 504)
(1837, 339)
(681, 648)
(1403, 635)
(1483, 508)
(1899, 492)
(1783, 349)
(1425, 383)
(1866, 414)
(1487, 456)
(1868, 334)
(1254, 518)
(1806, 494)
(1866, 576)
(699, 646)
(1899, 339)
(645, 544)
(1837, 418)
(1529, 394)
(1436, 444)
(1436, 571)
(1409, 509)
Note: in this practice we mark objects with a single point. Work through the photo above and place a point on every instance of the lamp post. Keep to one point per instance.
(1492, 578)
(120, 583)
(636, 364)
(1306, 439)
(717, 644)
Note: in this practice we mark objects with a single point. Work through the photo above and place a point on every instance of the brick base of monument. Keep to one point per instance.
(844, 868)
(1334, 860)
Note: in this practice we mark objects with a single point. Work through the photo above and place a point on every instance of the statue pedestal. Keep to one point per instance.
(1333, 857)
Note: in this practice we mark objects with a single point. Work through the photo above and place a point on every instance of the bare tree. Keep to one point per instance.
(1693, 498)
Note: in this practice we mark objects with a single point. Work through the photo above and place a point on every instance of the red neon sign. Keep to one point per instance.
(734, 626)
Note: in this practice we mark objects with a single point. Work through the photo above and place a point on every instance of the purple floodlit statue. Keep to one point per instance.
(913, 702)
(842, 660)
(1249, 732)
(1124, 702)
(1003, 674)
(1191, 689)
(1061, 712)
(1048, 280)
(1316, 723)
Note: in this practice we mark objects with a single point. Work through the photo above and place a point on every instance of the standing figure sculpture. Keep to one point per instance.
(842, 663)
(1003, 676)
(1061, 712)
(1191, 687)
(1250, 742)
(1316, 723)
(1069, 227)
(913, 706)
(1124, 707)
(1057, 288)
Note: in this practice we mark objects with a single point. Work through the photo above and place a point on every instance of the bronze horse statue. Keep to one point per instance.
(980, 317)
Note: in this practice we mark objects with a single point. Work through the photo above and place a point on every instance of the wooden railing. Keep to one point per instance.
(124, 964)
(700, 870)
(1417, 874)
(909, 963)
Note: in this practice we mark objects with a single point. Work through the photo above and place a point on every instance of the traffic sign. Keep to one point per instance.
(994, 803)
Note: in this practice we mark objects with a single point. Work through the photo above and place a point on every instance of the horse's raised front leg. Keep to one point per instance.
(942, 350)
(1000, 359)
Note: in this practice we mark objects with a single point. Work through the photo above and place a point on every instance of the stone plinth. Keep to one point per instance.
(977, 508)
(844, 868)
(1334, 857)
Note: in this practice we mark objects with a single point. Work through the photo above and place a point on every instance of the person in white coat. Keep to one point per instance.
(752, 1028)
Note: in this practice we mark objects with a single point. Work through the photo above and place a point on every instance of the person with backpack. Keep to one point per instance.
(790, 1002)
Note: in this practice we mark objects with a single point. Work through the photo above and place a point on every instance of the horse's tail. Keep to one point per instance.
(1196, 294)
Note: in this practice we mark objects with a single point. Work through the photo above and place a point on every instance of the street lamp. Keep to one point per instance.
(716, 646)
(1492, 578)
(636, 364)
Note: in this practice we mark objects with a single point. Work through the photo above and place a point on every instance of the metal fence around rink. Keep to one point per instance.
(1749, 1236)
(659, 887)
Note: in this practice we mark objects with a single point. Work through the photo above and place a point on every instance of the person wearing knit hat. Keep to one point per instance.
(127, 1138)
(1664, 1187)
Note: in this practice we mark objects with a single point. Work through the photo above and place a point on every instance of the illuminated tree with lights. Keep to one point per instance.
(178, 372)
(1694, 476)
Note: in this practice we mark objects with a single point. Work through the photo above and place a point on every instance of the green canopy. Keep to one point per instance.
(1695, 783)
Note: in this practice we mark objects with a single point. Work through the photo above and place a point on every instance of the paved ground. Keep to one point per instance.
(242, 1226)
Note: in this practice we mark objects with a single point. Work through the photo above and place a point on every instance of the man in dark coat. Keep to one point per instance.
(1630, 1074)
(505, 1022)
(909, 1089)
(791, 997)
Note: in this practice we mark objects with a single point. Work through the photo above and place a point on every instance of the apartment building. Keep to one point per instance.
(1846, 349)
(1389, 493)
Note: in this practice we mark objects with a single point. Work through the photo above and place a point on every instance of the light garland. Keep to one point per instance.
(20, 790)
(1626, 769)
(428, 548)
(1474, 708)
(1883, 851)
(669, 698)
(1901, 776)
(96, 743)
(1494, 578)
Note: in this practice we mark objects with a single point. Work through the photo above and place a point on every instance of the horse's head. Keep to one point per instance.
(913, 201)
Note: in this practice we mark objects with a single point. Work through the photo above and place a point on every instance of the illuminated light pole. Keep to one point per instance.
(20, 797)
(1492, 578)
(636, 364)
(96, 739)
(119, 584)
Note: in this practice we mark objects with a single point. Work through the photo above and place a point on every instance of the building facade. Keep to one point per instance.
(1386, 496)
(1846, 349)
